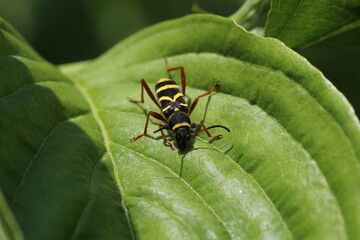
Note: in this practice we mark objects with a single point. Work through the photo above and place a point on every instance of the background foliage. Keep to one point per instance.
(91, 27)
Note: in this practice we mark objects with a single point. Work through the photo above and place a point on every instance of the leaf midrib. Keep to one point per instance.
(106, 139)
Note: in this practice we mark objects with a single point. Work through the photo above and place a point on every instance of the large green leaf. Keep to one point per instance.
(304, 23)
(288, 169)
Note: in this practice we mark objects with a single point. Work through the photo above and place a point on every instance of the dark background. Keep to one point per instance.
(64, 31)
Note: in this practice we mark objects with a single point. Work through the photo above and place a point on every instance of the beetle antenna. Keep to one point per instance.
(215, 126)
(165, 127)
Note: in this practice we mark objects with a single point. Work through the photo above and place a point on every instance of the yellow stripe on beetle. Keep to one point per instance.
(166, 108)
(184, 124)
(171, 99)
(166, 98)
(167, 87)
(177, 96)
(163, 80)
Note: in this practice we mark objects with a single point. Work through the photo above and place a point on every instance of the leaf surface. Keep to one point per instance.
(290, 161)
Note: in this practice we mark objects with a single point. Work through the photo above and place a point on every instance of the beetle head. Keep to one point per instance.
(182, 137)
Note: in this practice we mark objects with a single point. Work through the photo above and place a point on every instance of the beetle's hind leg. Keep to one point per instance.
(182, 74)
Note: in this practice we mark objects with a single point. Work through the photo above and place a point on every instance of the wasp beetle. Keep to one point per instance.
(175, 111)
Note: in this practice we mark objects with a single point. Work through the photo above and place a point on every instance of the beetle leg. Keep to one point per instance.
(151, 95)
(164, 137)
(193, 105)
(193, 125)
(153, 114)
(182, 75)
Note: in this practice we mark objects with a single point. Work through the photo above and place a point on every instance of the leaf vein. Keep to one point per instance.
(331, 34)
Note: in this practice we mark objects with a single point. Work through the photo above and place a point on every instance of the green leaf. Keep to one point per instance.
(301, 24)
(288, 169)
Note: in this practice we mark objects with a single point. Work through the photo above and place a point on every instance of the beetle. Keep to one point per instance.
(175, 111)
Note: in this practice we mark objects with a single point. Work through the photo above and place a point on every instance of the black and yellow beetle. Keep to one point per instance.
(175, 111)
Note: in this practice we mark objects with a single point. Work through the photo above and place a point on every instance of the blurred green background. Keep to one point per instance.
(73, 30)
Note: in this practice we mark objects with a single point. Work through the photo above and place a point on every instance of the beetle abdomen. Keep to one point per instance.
(170, 97)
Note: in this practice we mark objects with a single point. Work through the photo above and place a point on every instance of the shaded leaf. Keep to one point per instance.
(288, 169)
(301, 24)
